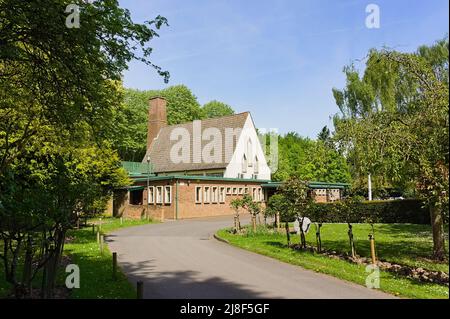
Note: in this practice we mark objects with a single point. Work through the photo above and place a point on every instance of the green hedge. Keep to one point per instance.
(392, 211)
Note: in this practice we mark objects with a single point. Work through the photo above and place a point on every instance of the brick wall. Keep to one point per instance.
(187, 206)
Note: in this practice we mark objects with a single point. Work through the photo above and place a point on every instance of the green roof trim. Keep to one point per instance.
(135, 188)
(310, 184)
(142, 178)
(136, 168)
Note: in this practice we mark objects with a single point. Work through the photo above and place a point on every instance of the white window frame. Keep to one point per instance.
(214, 194)
(198, 199)
(222, 195)
(159, 194)
(151, 194)
(207, 194)
(256, 168)
(168, 200)
(240, 190)
(235, 191)
(254, 194)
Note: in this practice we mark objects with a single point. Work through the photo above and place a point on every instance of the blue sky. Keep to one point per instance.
(277, 59)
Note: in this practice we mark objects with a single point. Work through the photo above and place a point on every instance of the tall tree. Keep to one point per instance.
(131, 129)
(216, 109)
(58, 94)
(394, 122)
(309, 160)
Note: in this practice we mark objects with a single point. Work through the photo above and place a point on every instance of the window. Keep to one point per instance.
(228, 190)
(222, 195)
(250, 151)
(244, 164)
(254, 193)
(207, 195)
(198, 194)
(234, 191)
(256, 169)
(136, 197)
(159, 194)
(151, 194)
(215, 195)
(246, 190)
(260, 195)
(168, 195)
(241, 191)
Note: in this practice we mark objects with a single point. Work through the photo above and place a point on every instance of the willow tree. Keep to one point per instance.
(394, 122)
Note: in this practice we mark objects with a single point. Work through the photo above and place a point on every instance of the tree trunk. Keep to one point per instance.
(437, 225)
(286, 225)
(27, 267)
(254, 222)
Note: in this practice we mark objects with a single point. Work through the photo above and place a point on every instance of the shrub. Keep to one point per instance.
(387, 211)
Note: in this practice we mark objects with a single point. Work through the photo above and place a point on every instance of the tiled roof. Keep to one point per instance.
(160, 148)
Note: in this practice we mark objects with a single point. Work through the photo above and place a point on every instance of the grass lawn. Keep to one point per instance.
(408, 244)
(95, 268)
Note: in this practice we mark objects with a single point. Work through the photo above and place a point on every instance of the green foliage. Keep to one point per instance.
(297, 199)
(310, 160)
(59, 93)
(396, 211)
(236, 204)
(401, 106)
(216, 109)
(251, 206)
(277, 204)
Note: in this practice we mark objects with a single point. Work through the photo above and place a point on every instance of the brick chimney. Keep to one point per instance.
(157, 118)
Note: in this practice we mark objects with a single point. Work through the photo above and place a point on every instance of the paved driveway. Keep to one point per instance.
(181, 259)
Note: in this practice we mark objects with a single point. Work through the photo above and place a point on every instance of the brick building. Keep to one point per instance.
(196, 169)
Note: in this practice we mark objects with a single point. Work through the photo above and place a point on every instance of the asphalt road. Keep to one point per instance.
(181, 259)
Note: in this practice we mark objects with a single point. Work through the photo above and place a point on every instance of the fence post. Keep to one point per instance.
(98, 236)
(114, 255)
(140, 290)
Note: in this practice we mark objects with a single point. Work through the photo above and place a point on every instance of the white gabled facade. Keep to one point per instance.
(248, 160)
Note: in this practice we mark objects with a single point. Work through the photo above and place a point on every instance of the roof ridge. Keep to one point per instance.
(207, 119)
